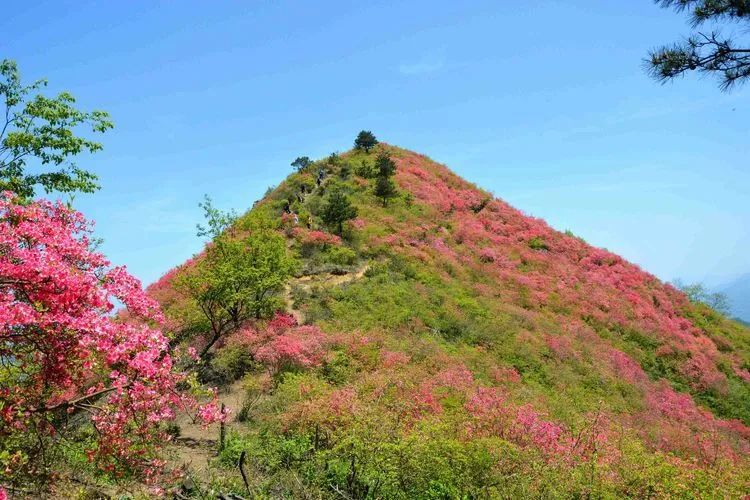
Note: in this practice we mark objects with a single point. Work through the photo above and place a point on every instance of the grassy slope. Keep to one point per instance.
(464, 293)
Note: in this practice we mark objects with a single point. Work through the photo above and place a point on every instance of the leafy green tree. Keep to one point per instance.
(703, 51)
(697, 292)
(385, 189)
(337, 210)
(217, 221)
(43, 129)
(365, 140)
(385, 166)
(302, 162)
(238, 277)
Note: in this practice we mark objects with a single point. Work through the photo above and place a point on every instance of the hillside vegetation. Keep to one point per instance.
(431, 341)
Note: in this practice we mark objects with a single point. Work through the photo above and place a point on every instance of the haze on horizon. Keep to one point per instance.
(547, 106)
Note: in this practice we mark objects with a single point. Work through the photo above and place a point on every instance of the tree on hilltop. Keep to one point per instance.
(302, 163)
(697, 292)
(44, 129)
(703, 51)
(365, 140)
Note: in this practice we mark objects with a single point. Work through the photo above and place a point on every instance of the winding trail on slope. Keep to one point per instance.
(307, 281)
(196, 445)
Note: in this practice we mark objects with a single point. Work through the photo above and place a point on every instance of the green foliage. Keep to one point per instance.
(237, 277)
(301, 163)
(698, 293)
(538, 243)
(341, 256)
(366, 169)
(709, 53)
(231, 362)
(217, 221)
(384, 165)
(337, 210)
(44, 129)
(365, 140)
(385, 189)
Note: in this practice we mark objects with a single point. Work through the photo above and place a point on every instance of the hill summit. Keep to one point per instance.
(432, 341)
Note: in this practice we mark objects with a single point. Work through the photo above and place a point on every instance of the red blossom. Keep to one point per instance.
(283, 343)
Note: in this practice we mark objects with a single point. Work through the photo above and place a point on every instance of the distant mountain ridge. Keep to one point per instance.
(738, 293)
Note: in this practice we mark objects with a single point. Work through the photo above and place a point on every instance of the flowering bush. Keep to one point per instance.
(63, 352)
(282, 343)
(311, 239)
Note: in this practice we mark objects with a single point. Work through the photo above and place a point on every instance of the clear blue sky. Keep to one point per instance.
(544, 103)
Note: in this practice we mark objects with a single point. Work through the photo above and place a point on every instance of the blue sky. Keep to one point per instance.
(544, 103)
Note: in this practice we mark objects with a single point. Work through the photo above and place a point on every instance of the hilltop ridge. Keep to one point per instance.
(470, 349)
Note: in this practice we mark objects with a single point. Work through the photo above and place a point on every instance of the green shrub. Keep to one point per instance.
(537, 243)
(342, 256)
(231, 362)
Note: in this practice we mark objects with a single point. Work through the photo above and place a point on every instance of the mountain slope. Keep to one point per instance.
(472, 350)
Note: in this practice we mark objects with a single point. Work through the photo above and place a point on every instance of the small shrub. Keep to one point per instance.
(537, 243)
(342, 256)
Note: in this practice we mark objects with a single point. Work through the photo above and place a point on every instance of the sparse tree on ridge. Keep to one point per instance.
(384, 186)
(385, 189)
(45, 130)
(302, 163)
(338, 210)
(365, 140)
(385, 166)
(704, 51)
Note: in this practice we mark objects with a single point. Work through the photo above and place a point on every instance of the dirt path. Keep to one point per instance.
(196, 446)
(324, 279)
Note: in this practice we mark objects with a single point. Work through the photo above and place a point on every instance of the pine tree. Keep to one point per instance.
(338, 210)
(302, 163)
(703, 51)
(384, 165)
(385, 189)
(365, 140)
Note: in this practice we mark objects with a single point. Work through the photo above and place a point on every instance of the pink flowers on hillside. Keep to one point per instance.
(315, 238)
(282, 343)
(531, 262)
(626, 368)
(492, 415)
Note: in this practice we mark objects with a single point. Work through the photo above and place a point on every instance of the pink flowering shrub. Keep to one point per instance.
(389, 359)
(316, 238)
(492, 415)
(282, 343)
(358, 223)
(64, 351)
(625, 367)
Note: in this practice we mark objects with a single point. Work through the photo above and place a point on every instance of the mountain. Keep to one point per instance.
(738, 293)
(450, 346)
